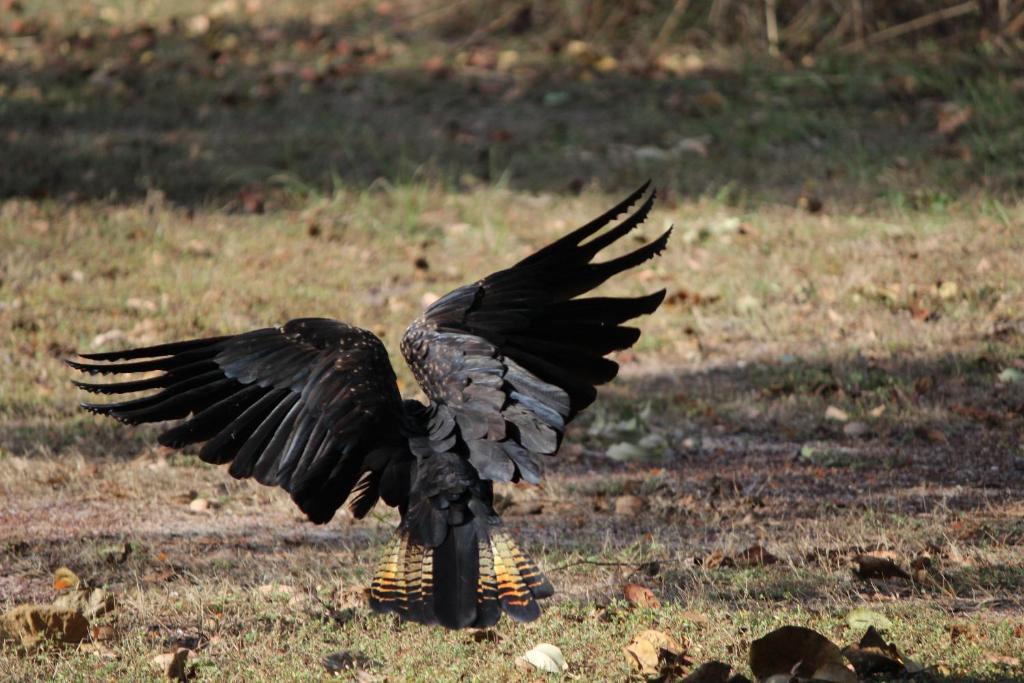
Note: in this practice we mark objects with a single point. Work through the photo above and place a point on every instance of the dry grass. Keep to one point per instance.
(901, 304)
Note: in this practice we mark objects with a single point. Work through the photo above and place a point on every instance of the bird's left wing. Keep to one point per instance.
(311, 406)
(507, 361)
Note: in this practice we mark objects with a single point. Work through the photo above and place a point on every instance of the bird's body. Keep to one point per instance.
(313, 406)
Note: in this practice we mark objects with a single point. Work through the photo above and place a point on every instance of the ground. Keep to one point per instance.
(838, 368)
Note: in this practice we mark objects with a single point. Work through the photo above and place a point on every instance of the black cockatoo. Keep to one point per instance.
(313, 406)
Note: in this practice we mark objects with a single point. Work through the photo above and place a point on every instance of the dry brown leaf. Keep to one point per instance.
(640, 596)
(173, 665)
(629, 505)
(837, 414)
(718, 559)
(931, 435)
(1002, 660)
(654, 653)
(872, 567)
(754, 556)
(952, 117)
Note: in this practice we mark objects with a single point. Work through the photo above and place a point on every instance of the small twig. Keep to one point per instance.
(671, 21)
(771, 27)
(1014, 26)
(917, 24)
(857, 9)
(599, 563)
(837, 33)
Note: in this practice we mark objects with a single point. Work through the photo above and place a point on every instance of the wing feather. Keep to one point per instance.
(508, 361)
(299, 406)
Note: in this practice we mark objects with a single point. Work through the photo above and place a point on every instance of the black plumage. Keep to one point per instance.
(313, 407)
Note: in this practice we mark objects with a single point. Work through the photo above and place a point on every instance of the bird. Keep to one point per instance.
(313, 406)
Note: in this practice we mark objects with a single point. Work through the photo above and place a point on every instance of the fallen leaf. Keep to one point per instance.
(754, 556)
(872, 567)
(625, 451)
(640, 596)
(795, 651)
(1003, 660)
(1010, 376)
(837, 414)
(717, 559)
(629, 505)
(952, 117)
(198, 25)
(276, 589)
(747, 304)
(862, 618)
(199, 505)
(547, 658)
(102, 632)
(251, 199)
(198, 248)
(173, 665)
(653, 653)
(930, 434)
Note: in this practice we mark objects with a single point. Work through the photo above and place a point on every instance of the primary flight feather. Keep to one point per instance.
(313, 406)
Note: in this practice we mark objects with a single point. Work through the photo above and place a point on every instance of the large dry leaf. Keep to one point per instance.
(653, 653)
(31, 625)
(863, 618)
(798, 652)
(640, 596)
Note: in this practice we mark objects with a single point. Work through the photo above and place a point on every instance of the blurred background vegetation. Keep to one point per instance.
(251, 103)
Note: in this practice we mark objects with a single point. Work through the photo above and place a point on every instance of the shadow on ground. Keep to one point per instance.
(244, 111)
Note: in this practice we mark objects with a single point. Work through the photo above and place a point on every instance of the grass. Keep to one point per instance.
(131, 215)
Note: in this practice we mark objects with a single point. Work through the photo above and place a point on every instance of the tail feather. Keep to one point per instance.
(473, 576)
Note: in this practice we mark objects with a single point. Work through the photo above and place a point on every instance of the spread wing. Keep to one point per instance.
(312, 407)
(508, 361)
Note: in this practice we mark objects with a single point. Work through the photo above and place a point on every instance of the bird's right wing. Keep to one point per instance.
(509, 360)
(311, 406)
